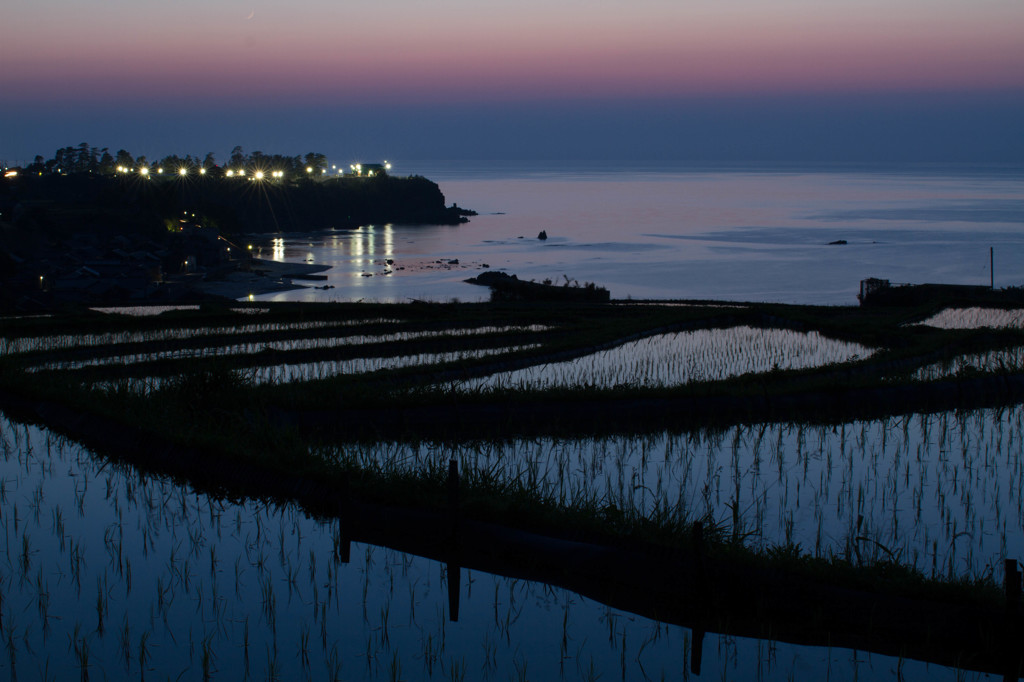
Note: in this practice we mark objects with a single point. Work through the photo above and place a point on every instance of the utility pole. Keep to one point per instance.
(991, 270)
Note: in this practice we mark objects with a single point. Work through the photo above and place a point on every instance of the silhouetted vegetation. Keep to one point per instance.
(88, 208)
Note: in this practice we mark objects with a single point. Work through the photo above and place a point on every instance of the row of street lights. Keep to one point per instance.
(356, 169)
(145, 172)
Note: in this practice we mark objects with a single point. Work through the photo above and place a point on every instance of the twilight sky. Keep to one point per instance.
(785, 80)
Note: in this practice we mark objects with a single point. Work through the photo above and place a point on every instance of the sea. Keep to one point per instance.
(740, 232)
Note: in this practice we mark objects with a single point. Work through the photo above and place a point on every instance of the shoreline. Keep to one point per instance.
(261, 277)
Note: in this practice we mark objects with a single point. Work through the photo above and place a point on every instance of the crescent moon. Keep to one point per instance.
(251, 15)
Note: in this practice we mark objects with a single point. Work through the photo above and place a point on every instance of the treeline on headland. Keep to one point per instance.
(84, 158)
(88, 225)
(250, 193)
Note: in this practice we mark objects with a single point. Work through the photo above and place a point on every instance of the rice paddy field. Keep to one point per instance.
(117, 567)
(113, 574)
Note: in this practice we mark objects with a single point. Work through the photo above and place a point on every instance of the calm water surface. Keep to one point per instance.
(735, 234)
(113, 574)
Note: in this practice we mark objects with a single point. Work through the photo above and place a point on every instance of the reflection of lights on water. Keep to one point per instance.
(358, 243)
(388, 237)
(277, 246)
(365, 241)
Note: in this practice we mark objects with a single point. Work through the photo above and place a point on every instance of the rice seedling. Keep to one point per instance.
(860, 482)
(976, 318)
(680, 358)
(196, 351)
(1004, 361)
(18, 345)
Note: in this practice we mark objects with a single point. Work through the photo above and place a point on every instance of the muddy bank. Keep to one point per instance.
(258, 276)
(475, 418)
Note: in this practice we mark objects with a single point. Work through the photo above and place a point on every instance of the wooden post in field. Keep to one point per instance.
(452, 568)
(453, 499)
(454, 572)
(1011, 581)
(343, 544)
(697, 650)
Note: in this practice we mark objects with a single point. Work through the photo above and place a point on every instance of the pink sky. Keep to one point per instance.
(401, 50)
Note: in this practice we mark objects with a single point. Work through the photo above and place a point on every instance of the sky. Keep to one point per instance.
(699, 80)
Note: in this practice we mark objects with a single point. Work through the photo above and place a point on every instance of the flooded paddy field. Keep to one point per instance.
(938, 492)
(208, 532)
(976, 318)
(680, 358)
(110, 573)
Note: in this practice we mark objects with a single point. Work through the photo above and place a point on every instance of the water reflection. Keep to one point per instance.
(110, 573)
(942, 493)
(741, 236)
